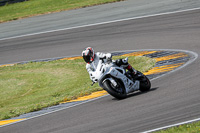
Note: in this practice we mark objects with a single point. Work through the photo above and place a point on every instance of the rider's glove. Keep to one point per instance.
(109, 60)
(109, 57)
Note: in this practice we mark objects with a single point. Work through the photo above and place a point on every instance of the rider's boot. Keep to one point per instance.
(131, 71)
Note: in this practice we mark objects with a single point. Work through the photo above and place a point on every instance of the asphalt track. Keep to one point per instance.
(174, 98)
(92, 15)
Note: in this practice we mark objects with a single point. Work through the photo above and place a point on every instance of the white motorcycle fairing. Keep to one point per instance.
(119, 73)
(110, 71)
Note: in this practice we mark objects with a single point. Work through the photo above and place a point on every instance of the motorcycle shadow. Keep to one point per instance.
(136, 93)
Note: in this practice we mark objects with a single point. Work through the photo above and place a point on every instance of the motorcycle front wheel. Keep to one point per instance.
(118, 92)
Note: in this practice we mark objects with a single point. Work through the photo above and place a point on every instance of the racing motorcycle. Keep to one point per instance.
(117, 82)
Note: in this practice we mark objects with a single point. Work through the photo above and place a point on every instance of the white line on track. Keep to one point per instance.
(101, 23)
(190, 121)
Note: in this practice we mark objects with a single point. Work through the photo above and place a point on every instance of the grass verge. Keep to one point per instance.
(37, 7)
(186, 128)
(36, 85)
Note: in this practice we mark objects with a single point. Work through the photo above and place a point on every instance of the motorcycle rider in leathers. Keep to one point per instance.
(92, 59)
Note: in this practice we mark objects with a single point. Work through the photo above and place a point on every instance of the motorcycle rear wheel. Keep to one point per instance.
(145, 84)
(113, 92)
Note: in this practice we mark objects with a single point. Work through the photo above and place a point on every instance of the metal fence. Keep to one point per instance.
(4, 2)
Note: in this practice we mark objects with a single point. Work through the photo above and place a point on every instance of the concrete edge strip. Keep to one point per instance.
(195, 56)
(55, 110)
(101, 23)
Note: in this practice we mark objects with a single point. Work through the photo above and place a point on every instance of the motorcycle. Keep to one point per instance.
(117, 82)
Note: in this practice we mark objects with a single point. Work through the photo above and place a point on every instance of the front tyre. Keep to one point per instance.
(117, 92)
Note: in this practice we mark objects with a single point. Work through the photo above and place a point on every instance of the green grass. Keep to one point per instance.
(37, 7)
(186, 128)
(36, 85)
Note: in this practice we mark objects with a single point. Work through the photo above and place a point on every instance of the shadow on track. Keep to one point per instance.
(137, 93)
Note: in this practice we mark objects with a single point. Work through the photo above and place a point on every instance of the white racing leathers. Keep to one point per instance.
(93, 66)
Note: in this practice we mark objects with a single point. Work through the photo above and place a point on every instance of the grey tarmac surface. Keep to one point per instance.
(174, 98)
(91, 15)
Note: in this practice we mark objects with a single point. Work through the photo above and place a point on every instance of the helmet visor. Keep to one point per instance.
(87, 59)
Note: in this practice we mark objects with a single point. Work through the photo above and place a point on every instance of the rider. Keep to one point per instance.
(92, 59)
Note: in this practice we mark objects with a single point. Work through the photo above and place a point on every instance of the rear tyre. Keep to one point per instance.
(118, 92)
(145, 84)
